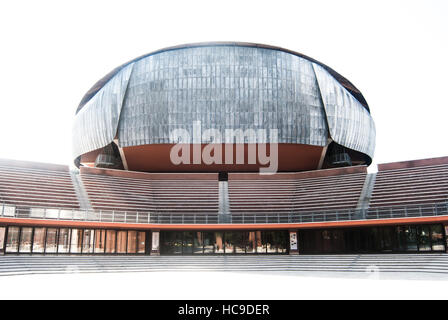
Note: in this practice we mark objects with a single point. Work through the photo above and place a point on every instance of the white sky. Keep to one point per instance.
(52, 52)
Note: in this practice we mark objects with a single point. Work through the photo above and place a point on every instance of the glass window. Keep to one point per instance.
(171, 242)
(209, 240)
(261, 246)
(198, 243)
(100, 241)
(188, 243)
(269, 242)
(52, 240)
(39, 240)
(25, 240)
(239, 241)
(167, 242)
(228, 243)
(121, 241)
(251, 244)
(141, 242)
(12, 242)
(64, 240)
(132, 241)
(387, 238)
(282, 241)
(219, 242)
(438, 243)
(110, 241)
(88, 241)
(401, 239)
(411, 238)
(75, 243)
(424, 241)
(2, 238)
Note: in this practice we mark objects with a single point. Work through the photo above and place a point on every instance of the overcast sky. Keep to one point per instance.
(52, 52)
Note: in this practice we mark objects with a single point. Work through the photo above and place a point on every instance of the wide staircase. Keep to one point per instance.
(429, 264)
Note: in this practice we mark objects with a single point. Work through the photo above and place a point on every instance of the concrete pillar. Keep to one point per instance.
(293, 242)
(155, 243)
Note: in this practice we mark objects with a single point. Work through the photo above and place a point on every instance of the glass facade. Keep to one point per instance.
(41, 240)
(387, 239)
(414, 238)
(224, 242)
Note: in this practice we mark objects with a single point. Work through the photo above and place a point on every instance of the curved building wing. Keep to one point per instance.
(350, 124)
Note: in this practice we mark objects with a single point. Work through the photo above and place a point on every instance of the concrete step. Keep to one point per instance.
(422, 263)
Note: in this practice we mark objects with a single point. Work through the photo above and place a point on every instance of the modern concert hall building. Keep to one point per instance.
(223, 148)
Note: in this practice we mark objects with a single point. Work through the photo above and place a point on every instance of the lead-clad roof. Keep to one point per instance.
(223, 87)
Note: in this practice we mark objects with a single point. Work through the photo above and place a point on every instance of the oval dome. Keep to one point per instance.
(223, 86)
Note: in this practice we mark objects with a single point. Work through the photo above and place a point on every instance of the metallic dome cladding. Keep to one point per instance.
(225, 86)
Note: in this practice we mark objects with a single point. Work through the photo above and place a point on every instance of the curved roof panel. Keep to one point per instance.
(342, 80)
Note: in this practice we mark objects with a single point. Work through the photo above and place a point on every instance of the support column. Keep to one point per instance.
(155, 243)
(293, 242)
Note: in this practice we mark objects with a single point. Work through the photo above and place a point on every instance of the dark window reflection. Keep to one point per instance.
(171, 242)
(209, 242)
(229, 242)
(239, 240)
(424, 242)
(411, 238)
(188, 243)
